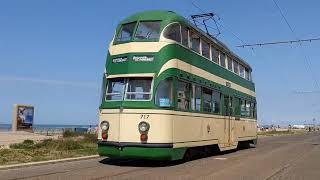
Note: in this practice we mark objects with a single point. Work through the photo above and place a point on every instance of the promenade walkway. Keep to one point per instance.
(7, 138)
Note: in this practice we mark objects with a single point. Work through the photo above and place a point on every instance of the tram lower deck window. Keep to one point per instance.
(164, 94)
(135, 88)
(115, 89)
(139, 88)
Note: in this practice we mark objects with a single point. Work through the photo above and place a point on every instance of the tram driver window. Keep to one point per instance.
(173, 32)
(183, 95)
(139, 88)
(115, 89)
(164, 93)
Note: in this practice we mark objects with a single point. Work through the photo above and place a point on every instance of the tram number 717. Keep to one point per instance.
(144, 116)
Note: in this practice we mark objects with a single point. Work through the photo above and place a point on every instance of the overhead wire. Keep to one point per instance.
(306, 58)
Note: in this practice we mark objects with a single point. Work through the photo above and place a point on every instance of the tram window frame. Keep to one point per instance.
(171, 27)
(136, 93)
(187, 94)
(169, 82)
(229, 63)
(222, 57)
(207, 100)
(246, 73)
(157, 36)
(195, 36)
(207, 51)
(242, 108)
(241, 71)
(236, 67)
(197, 97)
(252, 110)
(248, 108)
(185, 37)
(214, 54)
(132, 34)
(216, 102)
(113, 93)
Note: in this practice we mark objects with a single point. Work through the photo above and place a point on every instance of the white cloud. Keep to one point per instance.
(50, 82)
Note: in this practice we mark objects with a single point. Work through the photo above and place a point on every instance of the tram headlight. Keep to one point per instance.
(143, 127)
(104, 125)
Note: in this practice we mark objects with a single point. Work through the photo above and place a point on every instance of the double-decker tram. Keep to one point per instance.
(170, 89)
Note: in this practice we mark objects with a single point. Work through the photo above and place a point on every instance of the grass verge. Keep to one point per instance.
(279, 133)
(30, 151)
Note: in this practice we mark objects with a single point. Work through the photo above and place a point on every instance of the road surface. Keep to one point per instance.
(283, 157)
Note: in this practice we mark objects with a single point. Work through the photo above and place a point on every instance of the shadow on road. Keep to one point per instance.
(140, 162)
(158, 163)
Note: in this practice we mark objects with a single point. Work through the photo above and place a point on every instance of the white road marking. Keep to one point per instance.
(220, 158)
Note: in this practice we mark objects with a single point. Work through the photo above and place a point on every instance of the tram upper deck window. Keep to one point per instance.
(235, 67)
(139, 88)
(215, 54)
(222, 59)
(241, 69)
(148, 30)
(126, 32)
(173, 32)
(185, 37)
(115, 89)
(229, 63)
(247, 74)
(205, 49)
(195, 42)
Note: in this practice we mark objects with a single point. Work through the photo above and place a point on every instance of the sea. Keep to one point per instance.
(46, 127)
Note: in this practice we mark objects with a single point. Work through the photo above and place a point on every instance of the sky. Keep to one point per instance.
(52, 54)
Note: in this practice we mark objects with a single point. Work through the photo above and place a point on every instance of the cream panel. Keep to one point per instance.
(160, 127)
(186, 129)
(134, 47)
(176, 63)
(113, 119)
(181, 128)
(246, 129)
(131, 75)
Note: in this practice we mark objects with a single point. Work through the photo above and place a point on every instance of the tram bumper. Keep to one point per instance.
(130, 150)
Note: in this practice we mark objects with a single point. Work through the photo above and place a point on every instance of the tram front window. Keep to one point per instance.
(148, 30)
(139, 89)
(126, 32)
(115, 89)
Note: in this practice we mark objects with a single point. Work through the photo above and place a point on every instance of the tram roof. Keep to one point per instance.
(170, 16)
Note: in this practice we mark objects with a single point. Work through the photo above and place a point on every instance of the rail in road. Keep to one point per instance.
(283, 157)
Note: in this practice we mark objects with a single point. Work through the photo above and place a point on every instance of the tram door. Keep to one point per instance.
(228, 126)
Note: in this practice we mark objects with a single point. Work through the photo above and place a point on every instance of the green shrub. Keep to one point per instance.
(69, 133)
(90, 138)
(67, 145)
(26, 144)
(28, 141)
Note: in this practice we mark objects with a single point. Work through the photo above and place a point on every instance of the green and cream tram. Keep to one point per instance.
(169, 88)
